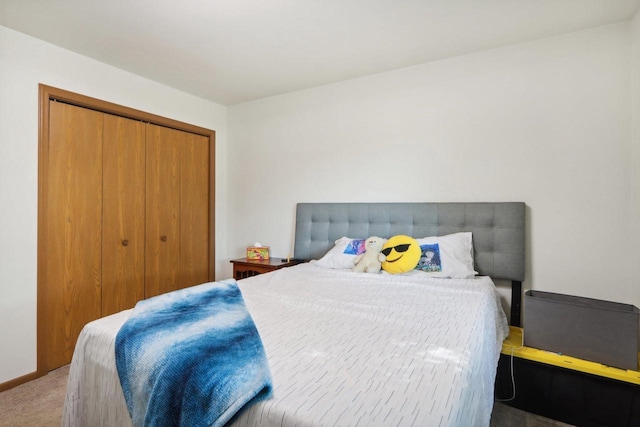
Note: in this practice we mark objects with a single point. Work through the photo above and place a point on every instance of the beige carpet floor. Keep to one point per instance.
(39, 403)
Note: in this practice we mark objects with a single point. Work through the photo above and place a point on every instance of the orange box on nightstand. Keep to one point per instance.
(258, 252)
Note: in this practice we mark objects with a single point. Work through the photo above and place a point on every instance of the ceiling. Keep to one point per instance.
(230, 51)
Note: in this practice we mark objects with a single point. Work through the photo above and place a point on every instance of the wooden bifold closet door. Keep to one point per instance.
(177, 214)
(127, 214)
(123, 196)
(73, 273)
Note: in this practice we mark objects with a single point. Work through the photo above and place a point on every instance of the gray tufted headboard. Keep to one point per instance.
(498, 231)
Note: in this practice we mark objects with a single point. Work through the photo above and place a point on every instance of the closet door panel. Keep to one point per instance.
(73, 235)
(162, 254)
(123, 240)
(194, 210)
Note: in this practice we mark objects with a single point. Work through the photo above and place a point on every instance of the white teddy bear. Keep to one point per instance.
(369, 260)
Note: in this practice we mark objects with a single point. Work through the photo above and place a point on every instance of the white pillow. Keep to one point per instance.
(447, 256)
(343, 254)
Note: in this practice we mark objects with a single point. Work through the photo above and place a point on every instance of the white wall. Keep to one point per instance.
(547, 123)
(24, 63)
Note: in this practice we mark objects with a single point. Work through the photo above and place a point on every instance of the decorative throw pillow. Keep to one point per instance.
(401, 254)
(447, 256)
(343, 254)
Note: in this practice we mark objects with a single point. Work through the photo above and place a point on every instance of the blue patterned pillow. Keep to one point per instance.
(447, 256)
(343, 254)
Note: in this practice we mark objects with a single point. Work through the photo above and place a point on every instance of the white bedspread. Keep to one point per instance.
(348, 349)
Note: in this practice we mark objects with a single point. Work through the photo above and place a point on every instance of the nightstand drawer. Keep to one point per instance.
(243, 268)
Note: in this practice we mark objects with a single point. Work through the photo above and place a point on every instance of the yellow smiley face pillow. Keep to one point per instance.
(401, 254)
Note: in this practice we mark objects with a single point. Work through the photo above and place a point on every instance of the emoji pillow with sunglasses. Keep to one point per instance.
(401, 254)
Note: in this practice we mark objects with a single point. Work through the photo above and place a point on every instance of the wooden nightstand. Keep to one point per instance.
(243, 268)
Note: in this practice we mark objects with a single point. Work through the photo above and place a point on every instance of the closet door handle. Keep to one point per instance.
(163, 238)
(125, 242)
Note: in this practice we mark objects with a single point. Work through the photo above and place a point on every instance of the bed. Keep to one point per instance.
(349, 348)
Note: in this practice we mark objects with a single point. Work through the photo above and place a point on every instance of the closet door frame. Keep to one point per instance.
(49, 93)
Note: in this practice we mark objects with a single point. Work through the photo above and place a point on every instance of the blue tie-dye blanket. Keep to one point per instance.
(192, 357)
